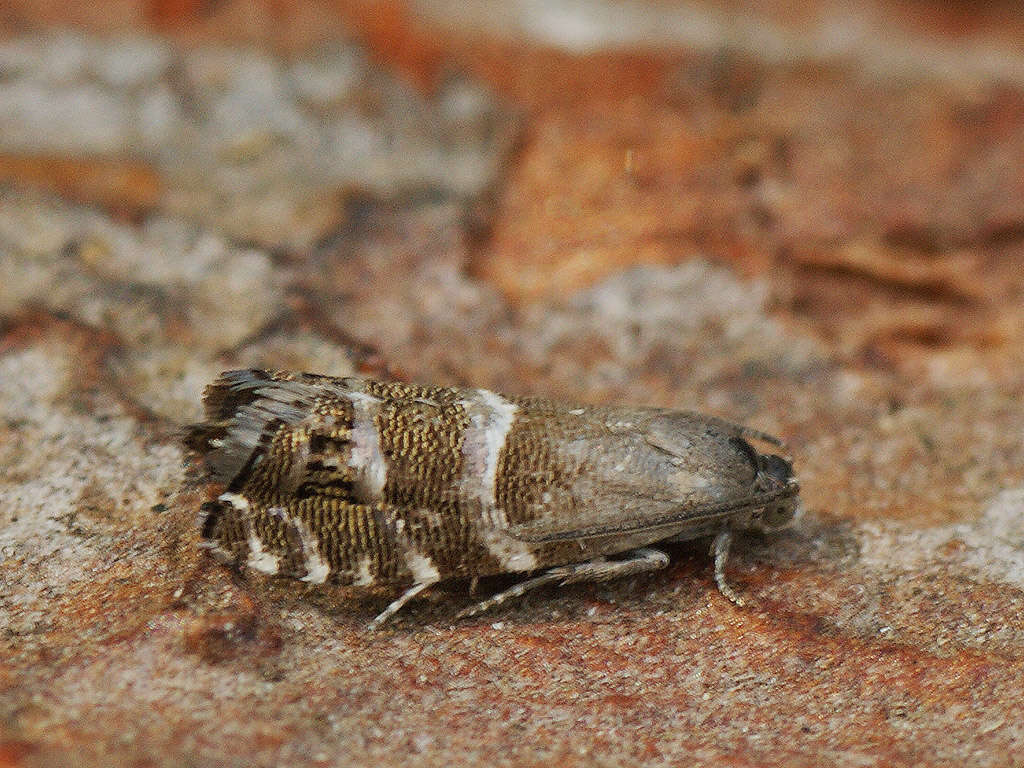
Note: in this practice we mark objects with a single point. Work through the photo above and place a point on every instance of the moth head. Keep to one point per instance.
(775, 475)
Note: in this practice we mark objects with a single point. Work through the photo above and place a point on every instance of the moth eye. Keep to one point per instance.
(780, 515)
(777, 468)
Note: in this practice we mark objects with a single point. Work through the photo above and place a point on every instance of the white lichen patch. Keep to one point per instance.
(992, 545)
(174, 295)
(54, 456)
(250, 144)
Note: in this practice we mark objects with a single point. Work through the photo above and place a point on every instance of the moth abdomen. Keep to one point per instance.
(366, 482)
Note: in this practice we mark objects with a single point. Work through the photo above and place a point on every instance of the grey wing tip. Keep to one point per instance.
(231, 390)
(224, 442)
(244, 408)
(243, 378)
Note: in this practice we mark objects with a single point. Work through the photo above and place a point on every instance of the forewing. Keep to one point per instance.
(635, 470)
(272, 433)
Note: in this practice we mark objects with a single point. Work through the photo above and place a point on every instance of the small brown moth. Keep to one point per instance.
(365, 482)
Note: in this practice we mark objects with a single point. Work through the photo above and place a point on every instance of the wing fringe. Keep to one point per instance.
(243, 410)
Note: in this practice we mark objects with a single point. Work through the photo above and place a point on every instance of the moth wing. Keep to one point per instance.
(620, 524)
(669, 469)
(248, 412)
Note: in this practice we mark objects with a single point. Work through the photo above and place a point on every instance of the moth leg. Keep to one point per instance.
(639, 561)
(397, 604)
(515, 591)
(720, 551)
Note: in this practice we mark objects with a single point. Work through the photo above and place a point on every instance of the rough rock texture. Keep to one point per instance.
(262, 149)
(824, 247)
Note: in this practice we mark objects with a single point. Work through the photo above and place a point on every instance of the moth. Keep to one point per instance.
(363, 483)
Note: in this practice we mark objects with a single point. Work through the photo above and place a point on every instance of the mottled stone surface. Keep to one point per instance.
(823, 254)
(264, 149)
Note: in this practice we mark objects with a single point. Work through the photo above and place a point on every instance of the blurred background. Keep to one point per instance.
(807, 216)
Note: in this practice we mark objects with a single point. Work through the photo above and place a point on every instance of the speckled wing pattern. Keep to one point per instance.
(364, 482)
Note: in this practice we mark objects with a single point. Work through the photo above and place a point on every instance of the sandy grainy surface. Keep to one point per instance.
(806, 221)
